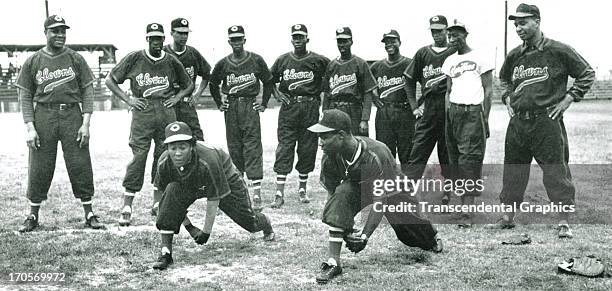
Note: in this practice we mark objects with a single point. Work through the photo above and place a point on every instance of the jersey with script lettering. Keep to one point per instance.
(195, 64)
(151, 79)
(56, 79)
(348, 80)
(465, 71)
(538, 76)
(426, 68)
(300, 76)
(391, 79)
(243, 78)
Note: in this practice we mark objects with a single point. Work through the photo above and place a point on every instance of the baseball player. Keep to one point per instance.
(469, 86)
(52, 83)
(191, 170)
(349, 168)
(152, 73)
(240, 74)
(300, 77)
(535, 76)
(394, 119)
(426, 68)
(349, 84)
(195, 65)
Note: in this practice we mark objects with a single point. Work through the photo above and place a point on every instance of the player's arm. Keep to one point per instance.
(204, 73)
(449, 88)
(584, 76)
(185, 83)
(83, 133)
(487, 85)
(198, 92)
(112, 85)
(27, 109)
(215, 86)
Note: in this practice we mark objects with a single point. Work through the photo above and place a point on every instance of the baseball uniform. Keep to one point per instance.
(151, 79)
(195, 65)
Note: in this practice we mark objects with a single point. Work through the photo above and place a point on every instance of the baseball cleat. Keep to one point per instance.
(269, 234)
(163, 262)
(126, 216)
(278, 202)
(155, 209)
(303, 196)
(439, 247)
(328, 272)
(565, 231)
(257, 205)
(92, 221)
(501, 224)
(29, 224)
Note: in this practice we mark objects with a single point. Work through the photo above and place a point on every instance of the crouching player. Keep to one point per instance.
(349, 167)
(191, 170)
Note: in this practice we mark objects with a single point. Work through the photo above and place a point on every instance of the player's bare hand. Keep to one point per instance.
(378, 103)
(137, 103)
(83, 136)
(224, 106)
(363, 127)
(258, 107)
(509, 108)
(561, 107)
(170, 102)
(32, 138)
(418, 113)
(282, 98)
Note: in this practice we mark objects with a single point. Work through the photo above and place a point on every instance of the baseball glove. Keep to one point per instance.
(355, 243)
(519, 239)
(201, 237)
(588, 266)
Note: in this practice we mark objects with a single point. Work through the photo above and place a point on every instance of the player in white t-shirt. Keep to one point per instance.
(468, 98)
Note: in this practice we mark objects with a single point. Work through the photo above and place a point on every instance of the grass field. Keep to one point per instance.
(234, 259)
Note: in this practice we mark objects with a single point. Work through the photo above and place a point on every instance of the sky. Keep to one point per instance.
(267, 24)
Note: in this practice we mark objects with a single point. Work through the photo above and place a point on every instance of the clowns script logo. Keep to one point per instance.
(390, 85)
(240, 82)
(303, 77)
(158, 83)
(533, 75)
(338, 83)
(191, 71)
(58, 77)
(462, 67)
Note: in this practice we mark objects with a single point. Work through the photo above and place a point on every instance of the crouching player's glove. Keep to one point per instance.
(201, 237)
(356, 242)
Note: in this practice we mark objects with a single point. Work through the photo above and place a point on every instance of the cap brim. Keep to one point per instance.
(182, 29)
(236, 34)
(178, 137)
(437, 26)
(457, 27)
(318, 128)
(57, 25)
(520, 15)
(299, 33)
(155, 33)
(389, 36)
(343, 36)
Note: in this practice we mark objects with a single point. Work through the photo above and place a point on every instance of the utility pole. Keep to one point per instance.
(506, 29)
(47, 8)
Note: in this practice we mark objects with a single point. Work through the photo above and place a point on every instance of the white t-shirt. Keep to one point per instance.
(465, 71)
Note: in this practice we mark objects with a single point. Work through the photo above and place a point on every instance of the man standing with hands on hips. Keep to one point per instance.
(240, 74)
(152, 73)
(52, 83)
(535, 76)
(469, 86)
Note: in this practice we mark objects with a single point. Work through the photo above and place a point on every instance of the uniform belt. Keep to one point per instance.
(396, 104)
(241, 98)
(466, 107)
(57, 106)
(343, 103)
(299, 98)
(533, 114)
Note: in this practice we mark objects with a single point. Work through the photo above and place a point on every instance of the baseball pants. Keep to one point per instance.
(395, 128)
(348, 200)
(243, 134)
(429, 131)
(353, 109)
(177, 198)
(293, 122)
(544, 139)
(466, 142)
(53, 125)
(186, 112)
(147, 124)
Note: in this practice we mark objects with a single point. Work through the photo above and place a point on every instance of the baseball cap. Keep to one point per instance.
(180, 25)
(155, 29)
(525, 10)
(235, 31)
(438, 22)
(55, 21)
(299, 29)
(178, 131)
(391, 34)
(457, 25)
(344, 32)
(332, 120)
